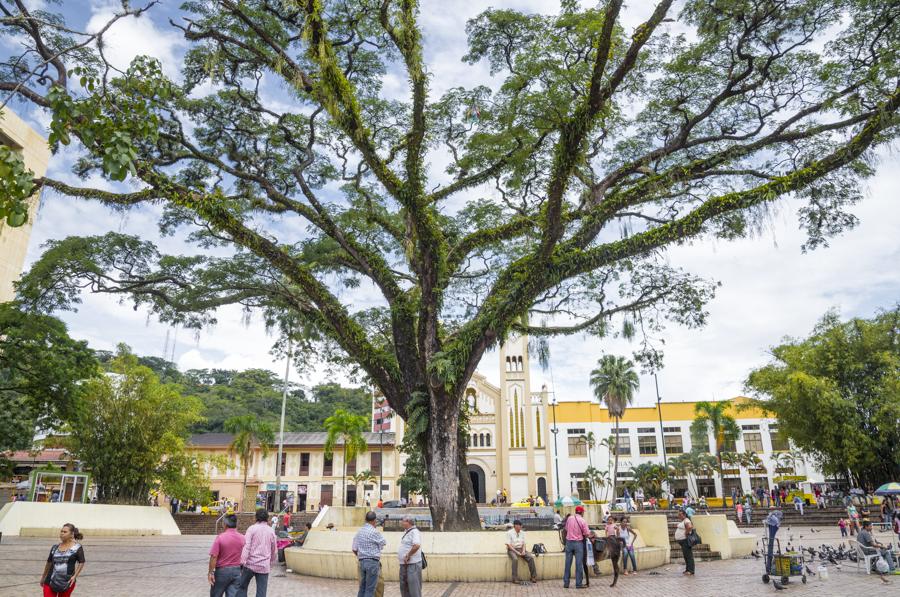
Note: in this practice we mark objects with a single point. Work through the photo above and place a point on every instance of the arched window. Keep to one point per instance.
(468, 442)
(474, 440)
(487, 438)
(481, 440)
(508, 364)
(521, 366)
(472, 399)
(537, 427)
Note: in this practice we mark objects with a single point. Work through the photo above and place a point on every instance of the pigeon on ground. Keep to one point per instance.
(778, 586)
(809, 570)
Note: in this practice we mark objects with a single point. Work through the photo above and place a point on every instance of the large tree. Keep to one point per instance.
(41, 374)
(130, 431)
(836, 395)
(597, 148)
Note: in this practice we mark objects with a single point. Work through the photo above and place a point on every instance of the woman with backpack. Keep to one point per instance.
(64, 564)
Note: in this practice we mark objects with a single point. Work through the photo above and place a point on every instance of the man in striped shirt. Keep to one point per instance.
(367, 546)
(260, 552)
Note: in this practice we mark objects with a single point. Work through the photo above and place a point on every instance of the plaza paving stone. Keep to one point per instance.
(176, 567)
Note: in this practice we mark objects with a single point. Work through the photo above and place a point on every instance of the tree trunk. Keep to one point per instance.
(453, 506)
(616, 462)
(344, 497)
(244, 489)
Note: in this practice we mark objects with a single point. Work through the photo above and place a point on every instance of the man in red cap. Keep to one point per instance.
(576, 532)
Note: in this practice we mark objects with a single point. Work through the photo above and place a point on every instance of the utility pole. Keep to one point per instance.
(284, 392)
(555, 446)
(662, 433)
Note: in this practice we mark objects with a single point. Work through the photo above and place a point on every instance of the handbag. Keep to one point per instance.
(538, 549)
(694, 538)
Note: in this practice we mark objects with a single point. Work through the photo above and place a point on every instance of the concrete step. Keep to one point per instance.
(702, 556)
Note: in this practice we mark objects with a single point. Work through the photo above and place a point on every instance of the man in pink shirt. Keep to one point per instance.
(259, 553)
(225, 561)
(576, 532)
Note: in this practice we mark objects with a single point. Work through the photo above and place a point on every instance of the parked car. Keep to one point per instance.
(392, 504)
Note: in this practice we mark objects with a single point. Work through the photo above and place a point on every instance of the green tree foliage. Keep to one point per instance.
(346, 429)
(414, 477)
(130, 432)
(713, 418)
(650, 477)
(41, 369)
(836, 395)
(601, 145)
(249, 433)
(16, 186)
(615, 381)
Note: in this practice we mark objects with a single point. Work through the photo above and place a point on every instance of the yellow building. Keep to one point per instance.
(15, 133)
(308, 479)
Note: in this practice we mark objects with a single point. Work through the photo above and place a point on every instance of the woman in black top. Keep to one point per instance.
(64, 564)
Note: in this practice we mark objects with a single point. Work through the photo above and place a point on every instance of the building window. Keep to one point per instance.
(487, 439)
(753, 442)
(283, 463)
(481, 440)
(647, 445)
(730, 445)
(779, 442)
(646, 430)
(327, 466)
(468, 441)
(351, 466)
(474, 440)
(672, 429)
(674, 444)
(304, 464)
(750, 427)
(537, 417)
(376, 462)
(577, 447)
(623, 445)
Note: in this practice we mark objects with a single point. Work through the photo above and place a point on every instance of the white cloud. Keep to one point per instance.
(131, 37)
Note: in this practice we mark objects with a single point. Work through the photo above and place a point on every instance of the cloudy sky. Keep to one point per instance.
(770, 289)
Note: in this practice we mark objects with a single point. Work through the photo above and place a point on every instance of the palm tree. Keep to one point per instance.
(649, 476)
(348, 428)
(248, 431)
(615, 382)
(363, 477)
(594, 477)
(680, 467)
(713, 417)
(750, 460)
(732, 460)
(590, 441)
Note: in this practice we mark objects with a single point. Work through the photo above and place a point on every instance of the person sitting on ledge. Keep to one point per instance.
(516, 548)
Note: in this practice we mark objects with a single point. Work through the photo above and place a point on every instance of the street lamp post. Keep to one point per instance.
(555, 447)
(284, 391)
(662, 433)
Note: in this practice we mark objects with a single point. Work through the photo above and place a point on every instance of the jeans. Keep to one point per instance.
(411, 580)
(227, 580)
(747, 513)
(687, 550)
(798, 506)
(574, 549)
(529, 559)
(628, 554)
(885, 553)
(772, 532)
(262, 583)
(369, 570)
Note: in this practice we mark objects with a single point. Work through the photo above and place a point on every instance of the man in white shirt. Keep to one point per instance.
(410, 557)
(515, 549)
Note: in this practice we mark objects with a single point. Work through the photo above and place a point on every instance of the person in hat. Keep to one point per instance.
(576, 532)
(871, 546)
(516, 548)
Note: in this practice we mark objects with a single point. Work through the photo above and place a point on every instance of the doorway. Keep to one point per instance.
(542, 489)
(476, 475)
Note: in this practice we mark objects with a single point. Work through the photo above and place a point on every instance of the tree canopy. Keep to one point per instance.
(130, 431)
(597, 148)
(41, 369)
(836, 395)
